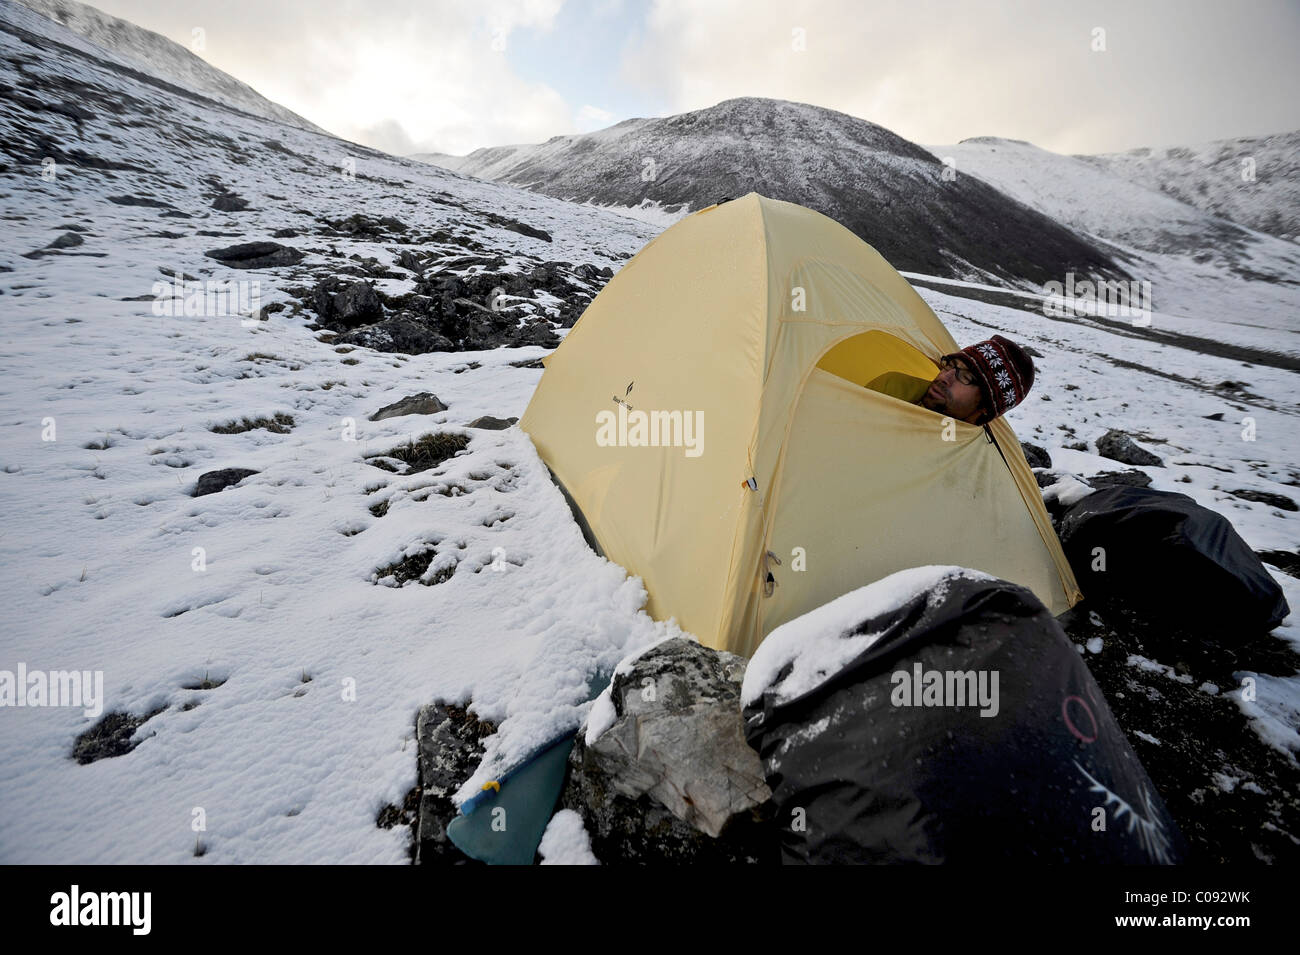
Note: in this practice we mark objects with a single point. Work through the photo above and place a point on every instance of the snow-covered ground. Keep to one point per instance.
(273, 589)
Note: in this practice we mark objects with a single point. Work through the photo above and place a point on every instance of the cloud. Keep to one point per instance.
(592, 117)
(936, 71)
(420, 75)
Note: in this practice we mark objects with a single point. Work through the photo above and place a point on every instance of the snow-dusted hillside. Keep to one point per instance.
(97, 563)
(161, 57)
(1090, 198)
(268, 631)
(884, 188)
(1252, 180)
(1205, 271)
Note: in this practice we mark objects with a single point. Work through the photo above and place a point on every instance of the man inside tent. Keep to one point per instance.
(975, 385)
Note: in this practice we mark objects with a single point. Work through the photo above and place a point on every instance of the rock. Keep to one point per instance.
(1118, 446)
(1217, 416)
(672, 779)
(357, 304)
(285, 234)
(256, 255)
(138, 201)
(537, 333)
(1266, 497)
(345, 305)
(1287, 561)
(424, 403)
(1130, 478)
(514, 225)
(1036, 457)
(367, 227)
(450, 741)
(411, 262)
(229, 202)
(488, 423)
(66, 241)
(214, 481)
(401, 333)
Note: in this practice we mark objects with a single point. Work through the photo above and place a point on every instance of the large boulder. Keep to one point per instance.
(426, 402)
(662, 773)
(1118, 446)
(343, 304)
(256, 255)
(213, 481)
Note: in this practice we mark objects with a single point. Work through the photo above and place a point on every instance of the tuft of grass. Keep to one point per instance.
(430, 451)
(205, 684)
(280, 423)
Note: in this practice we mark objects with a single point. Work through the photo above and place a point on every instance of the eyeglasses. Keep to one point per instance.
(964, 374)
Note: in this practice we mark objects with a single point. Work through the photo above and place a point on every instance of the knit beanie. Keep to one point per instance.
(1005, 370)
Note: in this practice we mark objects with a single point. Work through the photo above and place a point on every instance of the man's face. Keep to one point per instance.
(949, 395)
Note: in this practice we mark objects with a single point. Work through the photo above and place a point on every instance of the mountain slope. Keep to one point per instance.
(1198, 263)
(161, 57)
(1209, 176)
(887, 190)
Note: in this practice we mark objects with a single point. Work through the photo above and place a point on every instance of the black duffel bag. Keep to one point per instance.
(1167, 556)
(876, 763)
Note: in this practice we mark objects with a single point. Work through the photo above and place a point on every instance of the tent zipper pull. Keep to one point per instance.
(751, 483)
(769, 581)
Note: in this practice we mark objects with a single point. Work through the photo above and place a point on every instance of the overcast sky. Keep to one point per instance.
(452, 75)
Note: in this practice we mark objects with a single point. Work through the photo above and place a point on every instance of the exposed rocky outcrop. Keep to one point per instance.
(450, 747)
(672, 778)
(256, 255)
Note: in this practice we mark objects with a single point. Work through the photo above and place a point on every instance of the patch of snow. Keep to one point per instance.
(566, 841)
(1068, 490)
(1275, 712)
(818, 643)
(1142, 662)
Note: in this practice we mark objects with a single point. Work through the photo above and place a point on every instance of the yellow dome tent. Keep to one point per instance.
(707, 416)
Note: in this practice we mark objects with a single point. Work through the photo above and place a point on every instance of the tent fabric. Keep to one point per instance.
(903, 387)
(746, 318)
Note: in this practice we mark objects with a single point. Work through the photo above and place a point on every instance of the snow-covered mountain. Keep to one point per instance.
(265, 649)
(163, 58)
(1188, 254)
(889, 191)
(1252, 180)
